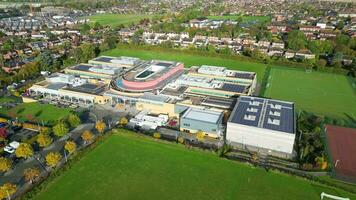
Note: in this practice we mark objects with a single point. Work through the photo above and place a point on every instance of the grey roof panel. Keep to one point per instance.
(244, 75)
(82, 67)
(265, 111)
(103, 59)
(233, 88)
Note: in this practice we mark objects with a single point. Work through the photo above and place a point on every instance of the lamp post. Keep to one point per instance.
(336, 162)
(8, 195)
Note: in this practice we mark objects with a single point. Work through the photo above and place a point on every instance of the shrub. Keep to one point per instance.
(157, 135)
(181, 140)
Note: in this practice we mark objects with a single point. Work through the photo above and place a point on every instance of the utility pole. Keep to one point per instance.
(8, 195)
(65, 156)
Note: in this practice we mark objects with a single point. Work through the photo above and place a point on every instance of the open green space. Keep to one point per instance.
(245, 19)
(190, 59)
(130, 166)
(328, 94)
(116, 19)
(35, 112)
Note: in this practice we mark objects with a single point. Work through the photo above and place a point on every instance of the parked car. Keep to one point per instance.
(12, 147)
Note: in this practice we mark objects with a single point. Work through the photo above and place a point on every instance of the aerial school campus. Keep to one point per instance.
(167, 99)
(194, 95)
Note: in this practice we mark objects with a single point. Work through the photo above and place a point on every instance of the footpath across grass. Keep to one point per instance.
(116, 19)
(190, 59)
(130, 166)
(36, 112)
(328, 94)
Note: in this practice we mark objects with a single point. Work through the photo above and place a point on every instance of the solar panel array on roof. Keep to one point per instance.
(164, 64)
(233, 88)
(264, 113)
(103, 59)
(88, 88)
(219, 102)
(244, 75)
(56, 86)
(82, 67)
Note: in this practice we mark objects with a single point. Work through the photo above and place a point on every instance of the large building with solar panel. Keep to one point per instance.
(263, 125)
(216, 82)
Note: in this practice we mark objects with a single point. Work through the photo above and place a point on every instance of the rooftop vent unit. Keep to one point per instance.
(251, 109)
(274, 121)
(275, 113)
(250, 117)
(254, 103)
(276, 106)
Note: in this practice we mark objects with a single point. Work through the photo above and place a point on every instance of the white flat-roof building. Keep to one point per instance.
(207, 121)
(262, 125)
(120, 62)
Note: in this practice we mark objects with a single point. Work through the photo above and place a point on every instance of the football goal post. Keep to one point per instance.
(323, 194)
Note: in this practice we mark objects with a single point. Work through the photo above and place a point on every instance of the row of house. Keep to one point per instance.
(237, 45)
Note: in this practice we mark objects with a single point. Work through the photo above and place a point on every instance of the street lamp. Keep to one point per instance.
(336, 162)
(8, 195)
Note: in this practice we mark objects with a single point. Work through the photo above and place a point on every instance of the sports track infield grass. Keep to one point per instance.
(130, 166)
(116, 19)
(190, 59)
(328, 94)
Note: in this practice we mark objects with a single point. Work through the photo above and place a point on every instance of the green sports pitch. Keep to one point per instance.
(327, 94)
(130, 166)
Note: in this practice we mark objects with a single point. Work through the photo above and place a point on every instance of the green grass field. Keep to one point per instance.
(245, 19)
(27, 111)
(116, 19)
(190, 59)
(322, 93)
(129, 166)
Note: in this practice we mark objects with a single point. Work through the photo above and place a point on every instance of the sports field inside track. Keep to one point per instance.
(190, 59)
(129, 166)
(326, 94)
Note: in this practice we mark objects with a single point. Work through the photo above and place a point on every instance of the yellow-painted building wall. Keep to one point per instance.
(157, 108)
(28, 100)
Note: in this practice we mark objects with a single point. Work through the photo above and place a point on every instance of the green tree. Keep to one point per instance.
(77, 54)
(296, 40)
(31, 174)
(7, 189)
(5, 164)
(100, 126)
(70, 146)
(53, 158)
(88, 52)
(123, 121)
(46, 61)
(340, 25)
(60, 129)
(87, 136)
(2, 60)
(73, 120)
(321, 63)
(24, 151)
(97, 26)
(44, 140)
(84, 29)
